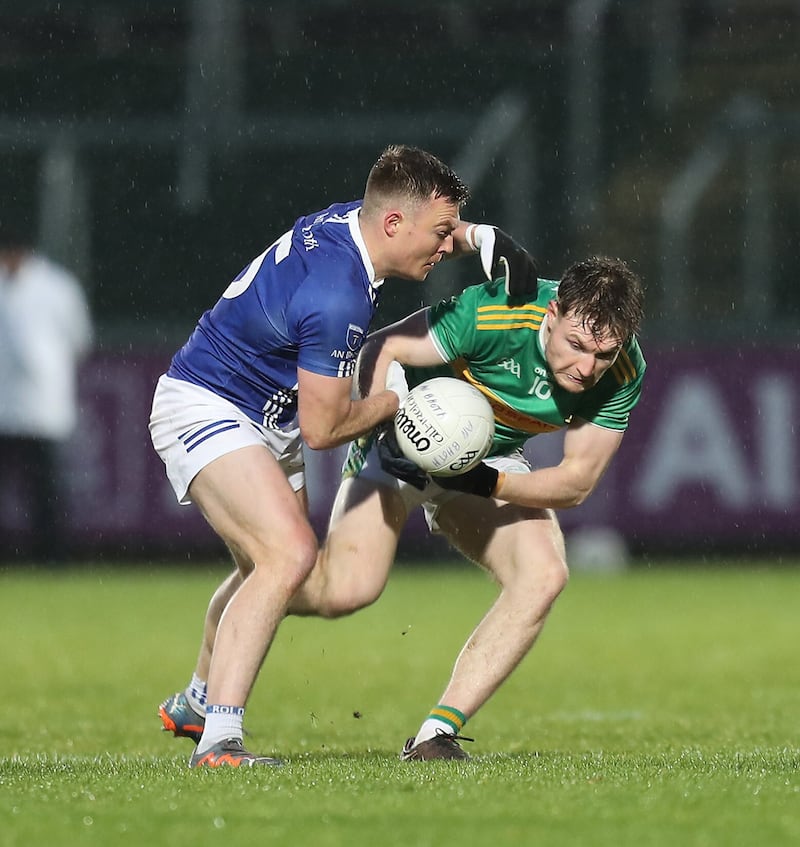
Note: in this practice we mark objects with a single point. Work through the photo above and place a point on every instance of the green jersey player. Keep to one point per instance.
(498, 347)
(566, 358)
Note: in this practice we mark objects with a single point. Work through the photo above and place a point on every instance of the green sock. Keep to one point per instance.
(442, 719)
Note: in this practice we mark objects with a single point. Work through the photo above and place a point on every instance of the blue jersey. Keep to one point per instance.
(306, 301)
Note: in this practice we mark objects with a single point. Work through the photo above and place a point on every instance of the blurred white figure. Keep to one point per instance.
(45, 331)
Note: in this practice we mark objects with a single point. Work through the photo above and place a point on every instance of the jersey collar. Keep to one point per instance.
(358, 240)
(542, 335)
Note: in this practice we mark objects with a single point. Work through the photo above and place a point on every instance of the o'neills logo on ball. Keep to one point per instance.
(404, 424)
(411, 421)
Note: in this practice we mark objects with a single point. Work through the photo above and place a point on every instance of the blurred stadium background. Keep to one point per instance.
(161, 145)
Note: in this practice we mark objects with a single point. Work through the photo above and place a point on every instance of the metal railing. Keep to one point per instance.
(498, 142)
(744, 126)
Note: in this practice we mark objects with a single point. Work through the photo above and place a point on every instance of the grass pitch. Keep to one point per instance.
(660, 707)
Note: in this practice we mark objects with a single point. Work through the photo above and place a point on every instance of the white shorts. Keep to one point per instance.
(367, 465)
(191, 426)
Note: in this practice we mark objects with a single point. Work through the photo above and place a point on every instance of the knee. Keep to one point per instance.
(299, 556)
(287, 563)
(541, 580)
(339, 605)
(329, 595)
(555, 575)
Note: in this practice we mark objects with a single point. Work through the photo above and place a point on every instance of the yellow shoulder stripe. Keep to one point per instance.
(529, 309)
(502, 317)
(623, 368)
(513, 324)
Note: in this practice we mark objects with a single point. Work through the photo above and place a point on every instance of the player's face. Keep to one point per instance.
(576, 357)
(424, 237)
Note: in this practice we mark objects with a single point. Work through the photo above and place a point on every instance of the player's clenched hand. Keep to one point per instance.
(502, 256)
(394, 462)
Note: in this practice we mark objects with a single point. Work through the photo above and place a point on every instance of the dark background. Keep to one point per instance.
(281, 108)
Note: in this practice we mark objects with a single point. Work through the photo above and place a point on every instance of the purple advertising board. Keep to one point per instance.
(710, 459)
(712, 452)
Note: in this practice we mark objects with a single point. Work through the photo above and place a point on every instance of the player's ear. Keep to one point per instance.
(552, 309)
(391, 222)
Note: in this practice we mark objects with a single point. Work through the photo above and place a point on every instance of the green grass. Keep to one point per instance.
(660, 707)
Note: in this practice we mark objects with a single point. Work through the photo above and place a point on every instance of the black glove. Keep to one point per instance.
(480, 481)
(394, 462)
(502, 256)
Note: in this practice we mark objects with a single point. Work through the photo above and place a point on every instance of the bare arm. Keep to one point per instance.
(329, 417)
(588, 450)
(407, 341)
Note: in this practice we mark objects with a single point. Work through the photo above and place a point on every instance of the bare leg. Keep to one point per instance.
(216, 607)
(524, 551)
(221, 598)
(353, 565)
(245, 497)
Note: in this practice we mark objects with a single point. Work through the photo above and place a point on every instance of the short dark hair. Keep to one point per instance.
(605, 295)
(416, 174)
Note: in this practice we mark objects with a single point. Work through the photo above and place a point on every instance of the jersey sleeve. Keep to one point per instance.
(330, 327)
(452, 325)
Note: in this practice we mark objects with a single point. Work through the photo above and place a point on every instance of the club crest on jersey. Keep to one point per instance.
(355, 337)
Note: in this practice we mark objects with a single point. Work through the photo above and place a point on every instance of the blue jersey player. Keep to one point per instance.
(268, 369)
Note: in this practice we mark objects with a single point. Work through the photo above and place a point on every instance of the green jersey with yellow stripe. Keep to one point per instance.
(497, 347)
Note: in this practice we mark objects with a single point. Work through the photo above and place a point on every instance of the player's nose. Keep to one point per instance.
(586, 365)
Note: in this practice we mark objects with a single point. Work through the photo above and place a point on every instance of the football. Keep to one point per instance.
(445, 426)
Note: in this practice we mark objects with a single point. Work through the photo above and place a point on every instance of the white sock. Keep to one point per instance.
(222, 722)
(432, 727)
(196, 694)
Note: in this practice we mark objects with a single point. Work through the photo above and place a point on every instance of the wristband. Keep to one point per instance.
(501, 478)
(469, 235)
(396, 381)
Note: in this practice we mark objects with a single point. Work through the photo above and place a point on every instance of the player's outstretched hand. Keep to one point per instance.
(394, 462)
(480, 481)
(502, 256)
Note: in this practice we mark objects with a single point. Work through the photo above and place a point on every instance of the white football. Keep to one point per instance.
(445, 426)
